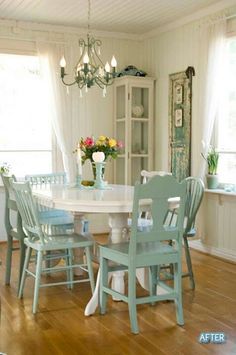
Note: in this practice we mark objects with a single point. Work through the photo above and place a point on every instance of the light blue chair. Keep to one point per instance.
(195, 191)
(41, 243)
(148, 248)
(49, 215)
(14, 230)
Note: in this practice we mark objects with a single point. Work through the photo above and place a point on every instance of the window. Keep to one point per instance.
(25, 129)
(226, 126)
(226, 130)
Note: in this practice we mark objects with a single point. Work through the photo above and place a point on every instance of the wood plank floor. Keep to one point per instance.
(60, 326)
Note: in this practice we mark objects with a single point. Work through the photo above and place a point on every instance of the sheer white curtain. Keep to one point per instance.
(211, 56)
(63, 107)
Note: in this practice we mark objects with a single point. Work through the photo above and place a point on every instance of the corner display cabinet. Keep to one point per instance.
(133, 112)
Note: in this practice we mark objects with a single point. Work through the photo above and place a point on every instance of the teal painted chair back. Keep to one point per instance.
(195, 191)
(29, 212)
(157, 192)
(52, 215)
(14, 229)
(40, 179)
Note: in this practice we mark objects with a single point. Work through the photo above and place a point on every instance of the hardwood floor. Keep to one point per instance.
(60, 326)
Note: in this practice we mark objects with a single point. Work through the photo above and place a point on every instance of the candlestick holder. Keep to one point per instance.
(79, 176)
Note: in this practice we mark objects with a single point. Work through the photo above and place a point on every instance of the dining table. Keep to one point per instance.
(114, 200)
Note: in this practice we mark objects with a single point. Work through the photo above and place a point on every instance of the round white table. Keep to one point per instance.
(117, 201)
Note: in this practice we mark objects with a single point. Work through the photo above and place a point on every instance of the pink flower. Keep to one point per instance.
(119, 144)
(89, 142)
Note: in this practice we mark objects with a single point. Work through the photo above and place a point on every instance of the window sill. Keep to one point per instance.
(221, 192)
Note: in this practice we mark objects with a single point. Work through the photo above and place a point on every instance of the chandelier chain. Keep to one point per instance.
(89, 15)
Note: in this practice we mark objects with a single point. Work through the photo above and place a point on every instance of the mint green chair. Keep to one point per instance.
(41, 243)
(195, 191)
(148, 248)
(14, 232)
(56, 216)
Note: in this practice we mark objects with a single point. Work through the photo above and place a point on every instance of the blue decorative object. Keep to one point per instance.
(131, 70)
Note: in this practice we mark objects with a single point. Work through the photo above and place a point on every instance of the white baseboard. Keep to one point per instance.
(219, 252)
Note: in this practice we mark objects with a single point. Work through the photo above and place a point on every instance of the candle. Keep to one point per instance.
(79, 161)
(98, 157)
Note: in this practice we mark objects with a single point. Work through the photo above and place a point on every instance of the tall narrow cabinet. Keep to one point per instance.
(133, 125)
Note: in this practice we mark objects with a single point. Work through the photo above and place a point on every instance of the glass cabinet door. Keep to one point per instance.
(133, 126)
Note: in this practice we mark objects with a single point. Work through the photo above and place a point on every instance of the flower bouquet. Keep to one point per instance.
(109, 146)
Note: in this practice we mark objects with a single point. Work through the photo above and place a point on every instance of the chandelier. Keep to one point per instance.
(90, 70)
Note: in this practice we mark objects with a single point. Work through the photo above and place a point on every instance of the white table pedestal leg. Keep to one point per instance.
(117, 222)
(78, 253)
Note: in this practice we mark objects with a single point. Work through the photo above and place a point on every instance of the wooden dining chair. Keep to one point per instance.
(148, 248)
(57, 216)
(40, 242)
(195, 191)
(14, 229)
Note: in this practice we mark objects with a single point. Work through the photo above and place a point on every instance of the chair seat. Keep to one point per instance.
(60, 241)
(148, 250)
(56, 213)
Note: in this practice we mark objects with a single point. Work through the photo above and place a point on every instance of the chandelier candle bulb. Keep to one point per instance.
(86, 58)
(113, 62)
(107, 67)
(63, 62)
(62, 65)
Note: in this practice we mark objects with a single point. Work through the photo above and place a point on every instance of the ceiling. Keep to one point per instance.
(124, 16)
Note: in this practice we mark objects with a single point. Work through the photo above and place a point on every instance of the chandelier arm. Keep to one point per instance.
(68, 84)
(100, 81)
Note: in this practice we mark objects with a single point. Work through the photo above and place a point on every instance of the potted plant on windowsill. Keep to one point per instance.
(212, 160)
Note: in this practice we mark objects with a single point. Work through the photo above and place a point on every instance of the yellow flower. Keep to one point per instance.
(99, 142)
(101, 138)
(112, 142)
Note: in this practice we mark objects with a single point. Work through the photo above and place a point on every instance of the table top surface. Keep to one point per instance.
(114, 199)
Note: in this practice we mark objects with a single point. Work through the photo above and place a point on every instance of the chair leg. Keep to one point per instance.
(90, 267)
(132, 300)
(153, 281)
(22, 259)
(23, 276)
(189, 263)
(37, 280)
(8, 260)
(103, 282)
(70, 274)
(178, 290)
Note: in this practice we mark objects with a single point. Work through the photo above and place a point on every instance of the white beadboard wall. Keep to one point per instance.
(172, 52)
